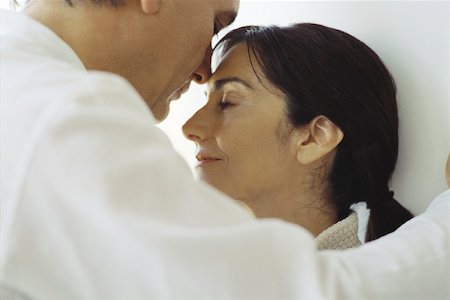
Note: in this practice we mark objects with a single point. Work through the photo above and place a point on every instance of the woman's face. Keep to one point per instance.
(242, 134)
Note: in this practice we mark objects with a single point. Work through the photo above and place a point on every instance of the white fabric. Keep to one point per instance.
(363, 217)
(412, 263)
(95, 204)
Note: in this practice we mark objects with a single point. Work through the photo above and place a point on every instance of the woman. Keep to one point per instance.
(301, 123)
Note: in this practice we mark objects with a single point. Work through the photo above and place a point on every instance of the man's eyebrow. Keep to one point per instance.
(219, 83)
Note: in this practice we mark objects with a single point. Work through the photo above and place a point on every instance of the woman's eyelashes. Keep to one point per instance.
(225, 104)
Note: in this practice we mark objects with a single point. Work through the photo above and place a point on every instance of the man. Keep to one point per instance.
(95, 204)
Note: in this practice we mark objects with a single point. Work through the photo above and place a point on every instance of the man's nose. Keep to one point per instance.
(203, 72)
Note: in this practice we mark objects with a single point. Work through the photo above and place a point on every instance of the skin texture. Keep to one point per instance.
(159, 46)
(247, 148)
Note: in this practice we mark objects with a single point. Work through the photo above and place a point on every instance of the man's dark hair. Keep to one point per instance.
(324, 71)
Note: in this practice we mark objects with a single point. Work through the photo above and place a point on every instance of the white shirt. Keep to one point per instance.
(95, 204)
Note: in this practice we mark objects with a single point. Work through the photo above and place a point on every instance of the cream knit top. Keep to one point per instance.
(342, 235)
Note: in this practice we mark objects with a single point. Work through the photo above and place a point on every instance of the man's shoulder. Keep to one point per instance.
(102, 92)
(49, 82)
(96, 87)
(42, 68)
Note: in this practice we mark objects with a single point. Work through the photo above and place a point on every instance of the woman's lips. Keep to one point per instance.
(205, 159)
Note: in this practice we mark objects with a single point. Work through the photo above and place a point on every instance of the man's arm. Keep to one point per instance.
(411, 263)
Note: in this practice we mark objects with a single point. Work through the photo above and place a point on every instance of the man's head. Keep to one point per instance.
(157, 45)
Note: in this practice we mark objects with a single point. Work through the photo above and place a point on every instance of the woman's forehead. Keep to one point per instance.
(236, 64)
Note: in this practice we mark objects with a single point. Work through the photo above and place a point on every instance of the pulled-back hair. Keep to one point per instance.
(324, 71)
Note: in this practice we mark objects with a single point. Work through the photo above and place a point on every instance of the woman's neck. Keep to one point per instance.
(311, 210)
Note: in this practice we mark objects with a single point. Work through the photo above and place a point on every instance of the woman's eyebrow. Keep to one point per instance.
(219, 83)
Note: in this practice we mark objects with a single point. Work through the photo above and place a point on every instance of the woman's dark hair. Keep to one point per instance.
(324, 71)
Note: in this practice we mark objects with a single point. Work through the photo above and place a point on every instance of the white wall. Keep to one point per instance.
(413, 39)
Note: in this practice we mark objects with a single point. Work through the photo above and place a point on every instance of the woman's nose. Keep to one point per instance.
(197, 127)
(203, 72)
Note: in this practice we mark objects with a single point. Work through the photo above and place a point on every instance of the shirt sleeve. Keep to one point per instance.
(411, 263)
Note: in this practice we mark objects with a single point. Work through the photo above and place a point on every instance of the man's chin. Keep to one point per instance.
(160, 110)
(161, 115)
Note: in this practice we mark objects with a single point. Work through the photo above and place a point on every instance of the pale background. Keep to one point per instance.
(413, 39)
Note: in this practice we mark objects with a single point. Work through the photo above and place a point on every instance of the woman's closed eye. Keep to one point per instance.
(225, 104)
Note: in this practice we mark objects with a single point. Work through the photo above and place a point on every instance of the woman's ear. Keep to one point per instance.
(318, 138)
(150, 7)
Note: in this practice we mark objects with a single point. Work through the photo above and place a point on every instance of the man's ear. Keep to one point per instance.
(319, 137)
(150, 6)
